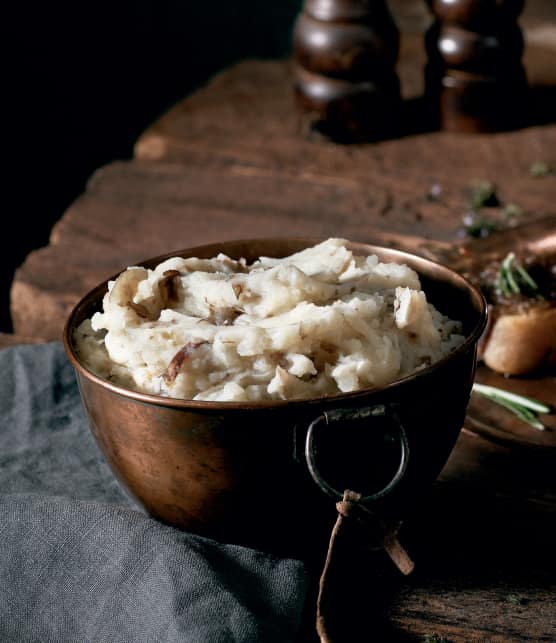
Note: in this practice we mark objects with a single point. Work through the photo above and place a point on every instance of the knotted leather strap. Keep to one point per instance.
(381, 536)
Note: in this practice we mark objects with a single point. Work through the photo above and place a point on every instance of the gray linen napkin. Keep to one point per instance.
(78, 563)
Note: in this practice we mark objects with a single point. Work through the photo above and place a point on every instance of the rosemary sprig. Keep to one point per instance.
(526, 408)
(514, 279)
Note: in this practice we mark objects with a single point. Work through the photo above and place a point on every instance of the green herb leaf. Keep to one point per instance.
(540, 169)
(512, 210)
(525, 408)
(526, 277)
(483, 194)
(522, 413)
(514, 279)
(522, 400)
(507, 267)
(480, 228)
(515, 599)
(435, 638)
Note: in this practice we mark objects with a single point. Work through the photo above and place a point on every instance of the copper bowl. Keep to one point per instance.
(266, 474)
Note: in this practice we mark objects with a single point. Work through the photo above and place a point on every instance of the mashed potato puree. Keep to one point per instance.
(319, 322)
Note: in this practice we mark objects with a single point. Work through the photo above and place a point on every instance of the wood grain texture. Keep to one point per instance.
(135, 210)
(250, 107)
(9, 339)
(481, 545)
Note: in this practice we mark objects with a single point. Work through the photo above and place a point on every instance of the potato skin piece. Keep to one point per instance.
(520, 343)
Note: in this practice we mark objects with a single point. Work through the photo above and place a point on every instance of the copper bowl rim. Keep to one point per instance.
(96, 294)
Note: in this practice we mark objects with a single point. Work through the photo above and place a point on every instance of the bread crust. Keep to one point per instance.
(521, 342)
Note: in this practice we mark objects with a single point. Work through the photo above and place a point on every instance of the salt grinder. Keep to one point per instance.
(344, 75)
(474, 77)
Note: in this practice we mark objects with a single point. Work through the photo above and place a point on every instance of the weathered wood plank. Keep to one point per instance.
(239, 135)
(481, 543)
(135, 210)
(9, 339)
(483, 567)
(246, 115)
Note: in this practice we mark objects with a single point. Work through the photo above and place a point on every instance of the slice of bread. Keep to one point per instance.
(518, 343)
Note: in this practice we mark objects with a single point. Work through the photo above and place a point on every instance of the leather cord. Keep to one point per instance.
(382, 535)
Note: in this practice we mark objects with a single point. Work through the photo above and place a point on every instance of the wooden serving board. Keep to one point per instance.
(484, 417)
(495, 423)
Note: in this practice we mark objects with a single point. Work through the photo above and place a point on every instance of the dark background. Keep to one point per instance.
(83, 80)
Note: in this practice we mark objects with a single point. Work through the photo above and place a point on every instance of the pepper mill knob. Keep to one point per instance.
(474, 77)
(344, 75)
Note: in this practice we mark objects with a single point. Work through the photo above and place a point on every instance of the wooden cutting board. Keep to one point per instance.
(483, 417)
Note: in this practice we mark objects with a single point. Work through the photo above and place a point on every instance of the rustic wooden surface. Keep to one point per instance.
(10, 339)
(131, 211)
(232, 152)
(484, 569)
(227, 162)
(484, 539)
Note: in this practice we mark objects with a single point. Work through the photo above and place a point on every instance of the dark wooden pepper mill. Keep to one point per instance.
(475, 79)
(345, 80)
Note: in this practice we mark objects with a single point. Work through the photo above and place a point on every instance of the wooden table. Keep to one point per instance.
(228, 162)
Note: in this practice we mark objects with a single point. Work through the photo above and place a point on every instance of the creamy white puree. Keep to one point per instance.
(319, 322)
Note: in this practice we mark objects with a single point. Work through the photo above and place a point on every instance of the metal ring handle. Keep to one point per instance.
(356, 414)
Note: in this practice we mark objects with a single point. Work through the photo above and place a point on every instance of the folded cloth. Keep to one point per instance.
(80, 563)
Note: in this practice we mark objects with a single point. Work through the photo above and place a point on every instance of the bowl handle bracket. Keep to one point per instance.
(355, 414)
